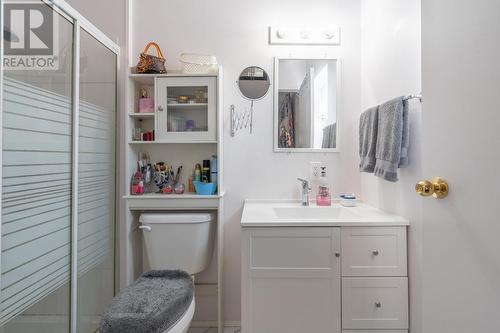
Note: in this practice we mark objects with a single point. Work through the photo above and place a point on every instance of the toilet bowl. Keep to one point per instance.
(178, 241)
(182, 326)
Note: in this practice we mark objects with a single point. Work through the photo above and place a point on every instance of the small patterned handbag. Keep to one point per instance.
(149, 63)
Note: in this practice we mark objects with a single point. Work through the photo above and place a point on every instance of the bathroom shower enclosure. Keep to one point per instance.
(58, 179)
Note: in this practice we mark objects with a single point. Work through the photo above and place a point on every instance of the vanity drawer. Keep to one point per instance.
(374, 251)
(375, 303)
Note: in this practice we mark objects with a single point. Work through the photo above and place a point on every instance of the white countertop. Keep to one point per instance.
(290, 213)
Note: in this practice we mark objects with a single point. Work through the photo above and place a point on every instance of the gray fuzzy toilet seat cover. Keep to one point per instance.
(151, 304)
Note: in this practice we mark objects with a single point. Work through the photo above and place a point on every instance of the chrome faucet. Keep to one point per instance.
(305, 191)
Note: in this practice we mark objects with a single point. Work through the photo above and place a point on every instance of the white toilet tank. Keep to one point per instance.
(182, 241)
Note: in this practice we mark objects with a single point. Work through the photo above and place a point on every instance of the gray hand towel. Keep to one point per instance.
(330, 136)
(393, 139)
(368, 129)
(405, 140)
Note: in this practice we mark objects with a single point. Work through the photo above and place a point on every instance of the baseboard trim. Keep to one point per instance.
(232, 323)
(204, 323)
(213, 323)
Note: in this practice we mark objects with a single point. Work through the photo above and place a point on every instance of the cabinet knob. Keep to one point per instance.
(378, 304)
(337, 254)
(160, 108)
(375, 252)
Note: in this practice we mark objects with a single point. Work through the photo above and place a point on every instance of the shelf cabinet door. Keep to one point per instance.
(291, 280)
(186, 109)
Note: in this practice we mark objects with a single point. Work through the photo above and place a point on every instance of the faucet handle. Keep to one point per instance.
(305, 183)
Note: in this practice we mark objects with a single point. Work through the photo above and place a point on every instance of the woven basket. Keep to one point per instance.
(198, 63)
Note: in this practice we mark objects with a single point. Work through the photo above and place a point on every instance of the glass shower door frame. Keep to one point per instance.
(79, 22)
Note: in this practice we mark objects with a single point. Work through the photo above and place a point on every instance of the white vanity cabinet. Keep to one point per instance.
(324, 276)
(291, 280)
(186, 109)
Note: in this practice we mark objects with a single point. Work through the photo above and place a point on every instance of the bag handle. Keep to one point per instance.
(157, 47)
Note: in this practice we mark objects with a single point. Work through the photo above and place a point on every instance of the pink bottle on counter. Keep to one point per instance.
(324, 197)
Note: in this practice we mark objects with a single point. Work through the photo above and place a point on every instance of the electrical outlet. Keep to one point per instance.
(315, 169)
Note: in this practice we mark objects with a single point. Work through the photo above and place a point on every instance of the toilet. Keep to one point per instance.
(178, 241)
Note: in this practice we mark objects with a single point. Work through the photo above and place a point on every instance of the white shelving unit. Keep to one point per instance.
(138, 115)
(179, 105)
(177, 149)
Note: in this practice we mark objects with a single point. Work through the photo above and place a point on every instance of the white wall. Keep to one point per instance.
(236, 32)
(108, 16)
(391, 67)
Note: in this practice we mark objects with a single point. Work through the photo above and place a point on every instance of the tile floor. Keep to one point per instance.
(213, 330)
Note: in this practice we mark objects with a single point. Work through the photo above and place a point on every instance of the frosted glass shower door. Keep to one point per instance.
(96, 181)
(36, 195)
(58, 183)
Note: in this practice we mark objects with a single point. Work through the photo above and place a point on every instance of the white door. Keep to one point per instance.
(291, 280)
(461, 131)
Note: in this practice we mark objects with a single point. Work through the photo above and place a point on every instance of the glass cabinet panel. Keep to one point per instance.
(186, 109)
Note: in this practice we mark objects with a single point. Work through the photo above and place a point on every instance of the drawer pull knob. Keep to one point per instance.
(378, 304)
(337, 254)
(375, 252)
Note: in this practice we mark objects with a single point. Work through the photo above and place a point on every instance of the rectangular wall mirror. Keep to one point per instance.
(306, 105)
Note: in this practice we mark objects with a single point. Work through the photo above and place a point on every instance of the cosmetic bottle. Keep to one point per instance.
(205, 172)
(213, 169)
(137, 184)
(197, 173)
(191, 188)
(323, 198)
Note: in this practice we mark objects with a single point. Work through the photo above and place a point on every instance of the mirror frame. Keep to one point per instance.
(276, 106)
(241, 93)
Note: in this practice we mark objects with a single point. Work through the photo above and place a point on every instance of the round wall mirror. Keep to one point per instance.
(254, 83)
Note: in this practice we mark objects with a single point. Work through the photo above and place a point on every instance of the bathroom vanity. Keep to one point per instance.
(323, 269)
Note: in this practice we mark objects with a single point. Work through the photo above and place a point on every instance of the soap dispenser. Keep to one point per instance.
(323, 198)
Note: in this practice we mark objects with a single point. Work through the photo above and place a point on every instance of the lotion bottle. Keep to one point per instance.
(324, 197)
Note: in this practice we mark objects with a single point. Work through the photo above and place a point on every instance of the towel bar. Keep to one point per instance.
(413, 96)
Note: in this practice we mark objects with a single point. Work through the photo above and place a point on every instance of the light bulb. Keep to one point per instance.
(281, 33)
(329, 34)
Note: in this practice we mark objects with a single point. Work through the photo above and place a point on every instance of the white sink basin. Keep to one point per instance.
(314, 213)
(267, 213)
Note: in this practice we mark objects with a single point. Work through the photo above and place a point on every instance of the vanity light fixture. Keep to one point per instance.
(304, 35)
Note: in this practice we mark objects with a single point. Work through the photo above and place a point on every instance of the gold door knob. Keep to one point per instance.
(437, 187)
